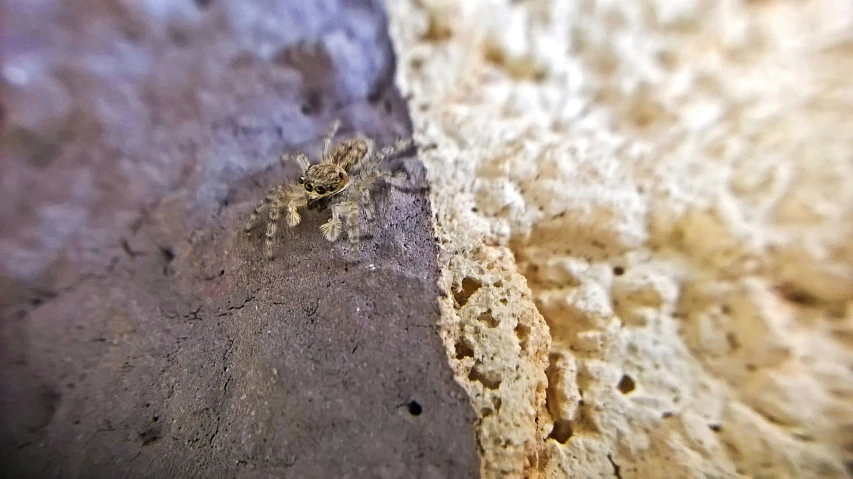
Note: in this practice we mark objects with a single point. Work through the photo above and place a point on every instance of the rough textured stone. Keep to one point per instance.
(143, 333)
(658, 191)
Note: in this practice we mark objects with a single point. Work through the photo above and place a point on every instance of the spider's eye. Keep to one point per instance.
(301, 180)
(340, 175)
(321, 190)
(308, 187)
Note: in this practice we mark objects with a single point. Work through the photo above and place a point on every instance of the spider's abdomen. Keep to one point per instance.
(349, 153)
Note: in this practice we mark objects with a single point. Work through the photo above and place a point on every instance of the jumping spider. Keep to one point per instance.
(342, 180)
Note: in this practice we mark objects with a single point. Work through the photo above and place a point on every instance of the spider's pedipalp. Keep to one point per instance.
(295, 199)
(293, 216)
(331, 229)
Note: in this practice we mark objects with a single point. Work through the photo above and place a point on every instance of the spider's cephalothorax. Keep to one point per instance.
(323, 181)
(344, 178)
(331, 177)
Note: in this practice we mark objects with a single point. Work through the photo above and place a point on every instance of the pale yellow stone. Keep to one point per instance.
(646, 217)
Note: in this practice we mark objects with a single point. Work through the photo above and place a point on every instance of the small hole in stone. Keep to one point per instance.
(618, 270)
(715, 427)
(626, 384)
(734, 344)
(155, 418)
(463, 350)
(797, 296)
(437, 31)
(486, 380)
(562, 431)
(498, 284)
(149, 436)
(504, 301)
(469, 287)
(489, 319)
(415, 409)
(522, 331)
(666, 415)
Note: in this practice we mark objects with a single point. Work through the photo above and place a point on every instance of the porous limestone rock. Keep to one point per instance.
(647, 230)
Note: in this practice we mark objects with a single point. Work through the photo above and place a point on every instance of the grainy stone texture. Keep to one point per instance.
(143, 333)
(649, 204)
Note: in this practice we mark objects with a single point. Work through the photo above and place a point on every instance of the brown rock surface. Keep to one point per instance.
(143, 334)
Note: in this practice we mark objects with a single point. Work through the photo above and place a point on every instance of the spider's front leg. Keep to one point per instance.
(300, 158)
(350, 210)
(290, 201)
(327, 138)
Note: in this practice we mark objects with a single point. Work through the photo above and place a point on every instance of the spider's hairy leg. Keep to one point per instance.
(300, 158)
(327, 138)
(272, 227)
(273, 195)
(350, 210)
(364, 202)
(365, 161)
(399, 180)
(371, 170)
(391, 150)
(362, 187)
